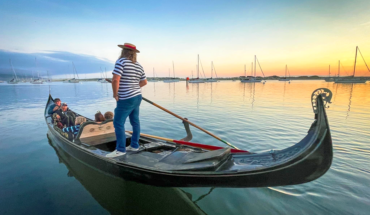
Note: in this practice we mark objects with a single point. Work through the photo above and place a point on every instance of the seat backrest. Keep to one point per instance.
(93, 129)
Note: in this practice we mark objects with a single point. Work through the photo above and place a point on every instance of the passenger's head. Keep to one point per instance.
(64, 107)
(57, 101)
(99, 117)
(108, 115)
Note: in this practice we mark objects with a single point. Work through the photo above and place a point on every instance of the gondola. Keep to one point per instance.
(168, 164)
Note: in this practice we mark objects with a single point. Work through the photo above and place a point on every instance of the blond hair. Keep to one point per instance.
(128, 54)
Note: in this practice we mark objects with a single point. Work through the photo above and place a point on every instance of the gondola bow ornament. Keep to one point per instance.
(326, 96)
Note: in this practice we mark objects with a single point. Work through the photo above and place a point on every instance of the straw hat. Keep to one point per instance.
(129, 46)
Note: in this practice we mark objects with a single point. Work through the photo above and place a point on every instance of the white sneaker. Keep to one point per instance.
(115, 153)
(130, 148)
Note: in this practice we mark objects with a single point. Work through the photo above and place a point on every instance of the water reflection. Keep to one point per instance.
(125, 197)
(350, 101)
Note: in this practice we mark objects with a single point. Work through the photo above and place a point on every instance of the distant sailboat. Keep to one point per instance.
(38, 80)
(197, 80)
(101, 76)
(154, 79)
(353, 79)
(169, 79)
(253, 78)
(212, 79)
(15, 78)
(73, 80)
(329, 79)
(104, 76)
(285, 78)
(49, 77)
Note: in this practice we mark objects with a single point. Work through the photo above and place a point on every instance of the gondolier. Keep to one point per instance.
(128, 78)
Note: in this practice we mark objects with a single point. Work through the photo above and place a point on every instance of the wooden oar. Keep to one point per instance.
(198, 145)
(175, 115)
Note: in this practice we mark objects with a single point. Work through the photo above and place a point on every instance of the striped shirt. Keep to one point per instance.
(131, 74)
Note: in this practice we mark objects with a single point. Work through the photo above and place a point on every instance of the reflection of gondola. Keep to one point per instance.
(165, 163)
(124, 197)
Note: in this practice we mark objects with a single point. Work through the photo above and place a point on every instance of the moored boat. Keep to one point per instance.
(212, 79)
(353, 79)
(170, 79)
(37, 81)
(329, 79)
(15, 80)
(184, 164)
(253, 78)
(285, 78)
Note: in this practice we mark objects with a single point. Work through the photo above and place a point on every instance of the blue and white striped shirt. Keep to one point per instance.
(131, 74)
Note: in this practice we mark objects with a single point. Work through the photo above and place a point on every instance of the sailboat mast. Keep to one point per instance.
(338, 67)
(211, 69)
(173, 68)
(286, 68)
(15, 74)
(255, 57)
(75, 71)
(38, 75)
(252, 69)
(354, 68)
(214, 69)
(245, 70)
(198, 67)
(329, 71)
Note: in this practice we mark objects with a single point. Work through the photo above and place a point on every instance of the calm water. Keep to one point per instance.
(36, 178)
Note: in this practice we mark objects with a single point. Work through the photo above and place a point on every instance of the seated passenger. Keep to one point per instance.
(67, 117)
(57, 121)
(76, 128)
(108, 115)
(54, 107)
(99, 117)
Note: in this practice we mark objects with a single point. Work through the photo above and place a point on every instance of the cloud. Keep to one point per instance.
(55, 62)
(365, 24)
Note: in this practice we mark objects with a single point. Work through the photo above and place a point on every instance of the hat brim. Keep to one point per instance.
(125, 47)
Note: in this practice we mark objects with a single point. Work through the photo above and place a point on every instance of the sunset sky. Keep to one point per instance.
(307, 35)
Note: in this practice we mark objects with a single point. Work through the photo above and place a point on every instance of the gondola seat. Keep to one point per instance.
(93, 133)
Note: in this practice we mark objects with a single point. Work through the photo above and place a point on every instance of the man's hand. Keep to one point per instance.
(56, 108)
(143, 83)
(116, 97)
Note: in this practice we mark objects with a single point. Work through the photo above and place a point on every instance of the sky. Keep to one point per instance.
(308, 36)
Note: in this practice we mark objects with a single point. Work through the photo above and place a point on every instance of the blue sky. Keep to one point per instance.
(306, 35)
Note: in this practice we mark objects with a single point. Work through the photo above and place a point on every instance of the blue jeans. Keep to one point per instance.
(127, 108)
